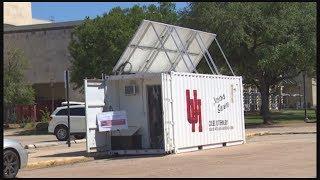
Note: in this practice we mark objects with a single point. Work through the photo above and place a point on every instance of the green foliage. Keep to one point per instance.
(16, 90)
(28, 124)
(45, 115)
(283, 116)
(265, 42)
(97, 44)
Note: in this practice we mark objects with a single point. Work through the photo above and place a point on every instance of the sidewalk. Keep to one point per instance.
(57, 155)
(62, 154)
(284, 128)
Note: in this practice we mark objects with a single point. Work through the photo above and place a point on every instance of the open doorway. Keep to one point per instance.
(155, 116)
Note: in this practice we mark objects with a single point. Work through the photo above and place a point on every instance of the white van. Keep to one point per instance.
(59, 122)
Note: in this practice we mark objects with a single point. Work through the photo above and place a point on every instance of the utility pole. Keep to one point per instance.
(52, 94)
(66, 78)
(304, 97)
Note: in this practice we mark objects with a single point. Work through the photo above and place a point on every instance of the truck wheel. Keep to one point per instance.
(79, 136)
(61, 133)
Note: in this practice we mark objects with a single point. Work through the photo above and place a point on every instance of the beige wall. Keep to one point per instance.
(44, 92)
(19, 13)
(47, 53)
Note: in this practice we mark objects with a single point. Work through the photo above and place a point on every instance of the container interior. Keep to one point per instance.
(142, 101)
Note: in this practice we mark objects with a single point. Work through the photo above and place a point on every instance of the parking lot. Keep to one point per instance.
(261, 156)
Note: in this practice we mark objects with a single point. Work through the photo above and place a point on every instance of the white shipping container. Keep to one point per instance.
(220, 117)
(210, 116)
(169, 108)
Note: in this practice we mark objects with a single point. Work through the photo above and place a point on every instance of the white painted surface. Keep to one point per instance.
(134, 105)
(94, 100)
(208, 87)
(178, 134)
(168, 122)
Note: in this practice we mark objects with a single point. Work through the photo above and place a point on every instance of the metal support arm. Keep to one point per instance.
(224, 56)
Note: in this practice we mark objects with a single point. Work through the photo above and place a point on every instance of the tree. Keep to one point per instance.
(16, 90)
(265, 42)
(97, 44)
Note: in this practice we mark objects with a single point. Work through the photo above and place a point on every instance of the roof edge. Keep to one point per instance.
(41, 27)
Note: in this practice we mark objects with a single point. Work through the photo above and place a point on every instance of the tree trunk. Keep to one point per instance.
(264, 111)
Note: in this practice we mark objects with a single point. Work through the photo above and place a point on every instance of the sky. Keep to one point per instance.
(72, 11)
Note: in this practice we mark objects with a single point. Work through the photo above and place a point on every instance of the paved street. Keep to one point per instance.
(292, 127)
(29, 139)
(262, 156)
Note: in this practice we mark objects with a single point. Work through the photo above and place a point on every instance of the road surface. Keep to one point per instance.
(30, 139)
(261, 156)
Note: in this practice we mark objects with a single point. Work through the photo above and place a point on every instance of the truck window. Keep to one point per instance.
(62, 112)
(73, 112)
(77, 112)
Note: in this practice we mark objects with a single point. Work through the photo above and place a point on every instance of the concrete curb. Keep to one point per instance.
(58, 162)
(48, 144)
(77, 141)
(257, 134)
(263, 133)
(284, 133)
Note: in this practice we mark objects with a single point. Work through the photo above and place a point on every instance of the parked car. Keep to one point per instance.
(59, 122)
(72, 103)
(15, 157)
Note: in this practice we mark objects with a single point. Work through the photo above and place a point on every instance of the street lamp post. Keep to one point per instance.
(304, 97)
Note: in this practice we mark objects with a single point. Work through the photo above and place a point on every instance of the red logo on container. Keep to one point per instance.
(194, 110)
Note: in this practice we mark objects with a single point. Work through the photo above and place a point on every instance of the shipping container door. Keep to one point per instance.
(155, 118)
(239, 92)
(94, 103)
(167, 112)
(207, 110)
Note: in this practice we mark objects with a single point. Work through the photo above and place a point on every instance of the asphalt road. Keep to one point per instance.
(262, 156)
(30, 139)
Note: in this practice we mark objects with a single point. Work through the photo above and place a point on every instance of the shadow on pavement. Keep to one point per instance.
(121, 157)
(251, 126)
(68, 154)
(28, 133)
(51, 141)
(114, 157)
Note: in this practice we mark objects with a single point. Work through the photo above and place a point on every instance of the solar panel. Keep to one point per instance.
(158, 47)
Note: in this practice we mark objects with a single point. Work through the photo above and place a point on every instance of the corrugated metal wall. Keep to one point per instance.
(167, 112)
(94, 98)
(220, 112)
(198, 110)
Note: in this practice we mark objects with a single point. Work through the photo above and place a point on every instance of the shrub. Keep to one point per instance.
(30, 125)
(45, 115)
(42, 126)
